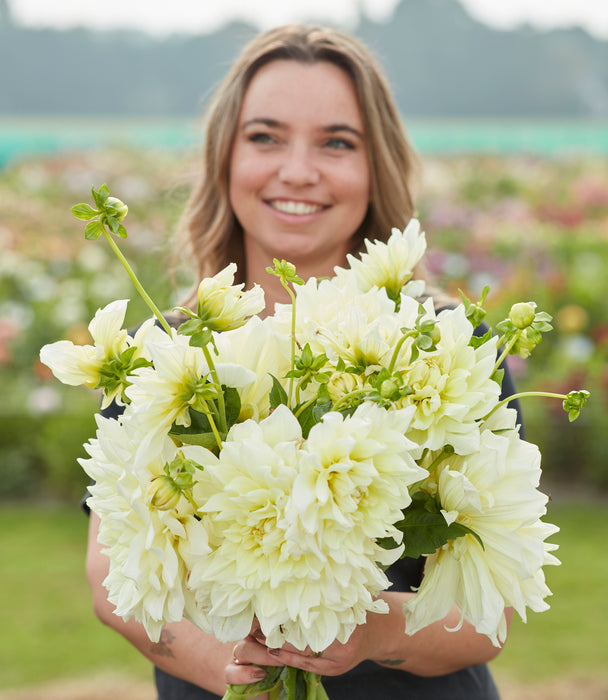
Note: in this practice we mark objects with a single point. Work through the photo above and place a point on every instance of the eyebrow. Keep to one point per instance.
(275, 124)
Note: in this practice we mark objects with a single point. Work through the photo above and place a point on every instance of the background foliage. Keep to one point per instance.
(532, 228)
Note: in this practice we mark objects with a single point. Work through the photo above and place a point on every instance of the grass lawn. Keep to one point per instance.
(48, 627)
(49, 631)
(569, 639)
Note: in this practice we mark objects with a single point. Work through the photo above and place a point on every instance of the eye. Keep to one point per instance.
(261, 137)
(338, 143)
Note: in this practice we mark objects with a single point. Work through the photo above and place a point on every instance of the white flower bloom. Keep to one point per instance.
(389, 265)
(163, 394)
(258, 348)
(494, 493)
(147, 577)
(452, 387)
(224, 307)
(355, 475)
(76, 365)
(302, 592)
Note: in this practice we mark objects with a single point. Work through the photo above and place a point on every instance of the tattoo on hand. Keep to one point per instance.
(163, 646)
(391, 662)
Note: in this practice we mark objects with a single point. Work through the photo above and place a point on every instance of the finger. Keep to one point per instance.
(243, 674)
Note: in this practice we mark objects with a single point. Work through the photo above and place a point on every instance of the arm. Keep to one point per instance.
(433, 651)
(183, 650)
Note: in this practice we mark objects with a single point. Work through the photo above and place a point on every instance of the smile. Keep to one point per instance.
(293, 207)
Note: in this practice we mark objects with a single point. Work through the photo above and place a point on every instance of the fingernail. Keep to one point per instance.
(259, 673)
(259, 635)
(274, 652)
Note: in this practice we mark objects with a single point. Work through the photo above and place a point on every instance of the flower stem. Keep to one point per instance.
(397, 350)
(220, 394)
(524, 394)
(506, 350)
(357, 392)
(293, 337)
(138, 286)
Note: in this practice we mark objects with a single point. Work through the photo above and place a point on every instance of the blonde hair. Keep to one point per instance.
(215, 236)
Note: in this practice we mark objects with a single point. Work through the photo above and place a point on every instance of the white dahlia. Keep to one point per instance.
(389, 265)
(147, 577)
(452, 386)
(494, 493)
(224, 306)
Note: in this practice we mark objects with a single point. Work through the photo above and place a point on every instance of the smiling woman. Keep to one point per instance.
(306, 159)
(299, 175)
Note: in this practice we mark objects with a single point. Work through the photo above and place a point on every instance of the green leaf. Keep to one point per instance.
(198, 424)
(93, 230)
(278, 395)
(307, 418)
(425, 529)
(101, 196)
(84, 212)
(191, 326)
(201, 339)
(477, 341)
(206, 440)
(232, 403)
(306, 356)
(122, 231)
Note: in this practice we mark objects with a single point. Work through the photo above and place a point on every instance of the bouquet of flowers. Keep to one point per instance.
(271, 469)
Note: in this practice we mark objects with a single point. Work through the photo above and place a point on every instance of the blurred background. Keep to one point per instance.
(507, 104)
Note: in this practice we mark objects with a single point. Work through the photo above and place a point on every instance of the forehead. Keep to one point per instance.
(290, 90)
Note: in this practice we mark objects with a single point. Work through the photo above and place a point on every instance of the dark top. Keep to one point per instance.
(368, 680)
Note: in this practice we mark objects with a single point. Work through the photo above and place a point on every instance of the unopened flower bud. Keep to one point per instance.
(435, 334)
(388, 388)
(524, 345)
(342, 383)
(163, 493)
(522, 314)
(119, 207)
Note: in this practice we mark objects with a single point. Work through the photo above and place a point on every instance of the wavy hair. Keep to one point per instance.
(215, 236)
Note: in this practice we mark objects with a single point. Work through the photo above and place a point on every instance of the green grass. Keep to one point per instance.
(49, 631)
(570, 638)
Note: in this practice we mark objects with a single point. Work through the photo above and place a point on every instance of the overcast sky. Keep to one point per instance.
(162, 17)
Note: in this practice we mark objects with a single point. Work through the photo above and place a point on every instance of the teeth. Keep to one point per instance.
(289, 207)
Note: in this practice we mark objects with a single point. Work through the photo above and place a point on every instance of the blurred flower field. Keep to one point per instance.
(532, 228)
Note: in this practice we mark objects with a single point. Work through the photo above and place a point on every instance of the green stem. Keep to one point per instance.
(207, 411)
(138, 286)
(304, 406)
(338, 405)
(506, 350)
(293, 337)
(220, 394)
(397, 350)
(525, 394)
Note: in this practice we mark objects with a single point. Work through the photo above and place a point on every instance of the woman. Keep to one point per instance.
(305, 157)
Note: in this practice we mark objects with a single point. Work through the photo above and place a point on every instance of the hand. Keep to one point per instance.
(333, 661)
(248, 656)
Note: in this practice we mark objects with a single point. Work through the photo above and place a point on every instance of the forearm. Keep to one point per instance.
(432, 651)
(182, 650)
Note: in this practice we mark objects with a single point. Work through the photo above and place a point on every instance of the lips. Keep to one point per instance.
(288, 206)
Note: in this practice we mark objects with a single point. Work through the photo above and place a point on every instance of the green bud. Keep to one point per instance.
(163, 493)
(525, 343)
(388, 388)
(119, 207)
(522, 314)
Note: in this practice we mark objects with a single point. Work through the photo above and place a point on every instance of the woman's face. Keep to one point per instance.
(299, 173)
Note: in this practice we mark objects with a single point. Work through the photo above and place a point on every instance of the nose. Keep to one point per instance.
(299, 168)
